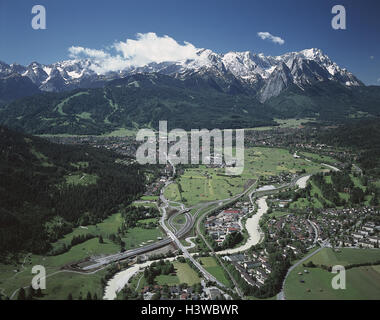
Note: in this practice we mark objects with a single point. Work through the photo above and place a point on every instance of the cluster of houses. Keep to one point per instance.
(295, 232)
(181, 292)
(223, 223)
(350, 227)
(280, 203)
(299, 139)
(254, 268)
(368, 236)
(281, 178)
(154, 188)
(123, 145)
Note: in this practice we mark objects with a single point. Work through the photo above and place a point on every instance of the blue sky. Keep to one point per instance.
(218, 25)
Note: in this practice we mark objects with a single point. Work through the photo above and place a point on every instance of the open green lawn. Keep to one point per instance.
(135, 237)
(137, 282)
(105, 228)
(210, 264)
(172, 192)
(180, 219)
(317, 157)
(345, 256)
(357, 182)
(121, 132)
(284, 123)
(361, 282)
(254, 298)
(59, 106)
(344, 196)
(149, 198)
(293, 123)
(41, 157)
(10, 280)
(186, 274)
(144, 204)
(83, 179)
(60, 285)
(170, 280)
(149, 220)
(313, 202)
(206, 184)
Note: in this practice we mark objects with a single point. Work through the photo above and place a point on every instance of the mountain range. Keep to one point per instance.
(234, 72)
(234, 90)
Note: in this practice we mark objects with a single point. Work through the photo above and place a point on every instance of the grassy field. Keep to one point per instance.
(313, 202)
(172, 192)
(60, 285)
(149, 198)
(60, 105)
(207, 184)
(170, 280)
(284, 123)
(316, 195)
(41, 157)
(186, 274)
(135, 237)
(210, 264)
(149, 220)
(317, 157)
(74, 283)
(357, 182)
(361, 282)
(144, 204)
(345, 256)
(83, 179)
(180, 219)
(121, 132)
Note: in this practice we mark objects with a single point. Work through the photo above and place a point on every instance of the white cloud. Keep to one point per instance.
(90, 53)
(268, 36)
(147, 48)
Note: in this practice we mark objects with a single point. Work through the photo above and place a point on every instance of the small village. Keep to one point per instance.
(183, 292)
(351, 227)
(223, 223)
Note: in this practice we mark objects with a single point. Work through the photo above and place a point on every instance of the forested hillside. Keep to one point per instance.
(327, 101)
(46, 188)
(142, 100)
(138, 101)
(361, 136)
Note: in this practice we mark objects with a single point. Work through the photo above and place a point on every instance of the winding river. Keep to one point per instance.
(253, 228)
(120, 279)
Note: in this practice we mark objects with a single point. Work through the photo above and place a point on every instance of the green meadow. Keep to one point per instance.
(361, 282)
(135, 237)
(201, 184)
(210, 264)
(186, 274)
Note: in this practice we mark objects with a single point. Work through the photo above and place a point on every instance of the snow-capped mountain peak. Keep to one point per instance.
(263, 76)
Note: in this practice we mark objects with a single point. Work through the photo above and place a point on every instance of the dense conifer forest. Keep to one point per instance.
(39, 198)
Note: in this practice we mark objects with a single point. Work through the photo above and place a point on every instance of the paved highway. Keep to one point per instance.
(99, 262)
(174, 237)
(190, 220)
